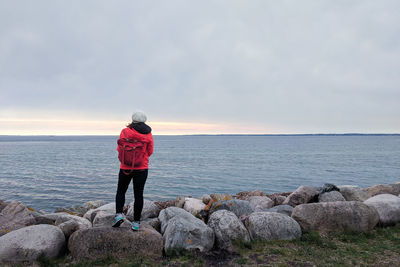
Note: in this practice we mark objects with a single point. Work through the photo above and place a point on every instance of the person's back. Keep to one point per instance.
(137, 170)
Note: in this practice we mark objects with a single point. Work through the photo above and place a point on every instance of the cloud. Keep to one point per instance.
(300, 66)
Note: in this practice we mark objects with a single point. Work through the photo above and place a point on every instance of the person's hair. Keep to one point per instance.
(130, 125)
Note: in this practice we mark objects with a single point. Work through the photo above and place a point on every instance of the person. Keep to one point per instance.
(138, 130)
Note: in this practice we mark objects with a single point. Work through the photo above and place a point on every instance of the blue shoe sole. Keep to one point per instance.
(118, 223)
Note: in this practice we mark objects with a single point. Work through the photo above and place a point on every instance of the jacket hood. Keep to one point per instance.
(141, 127)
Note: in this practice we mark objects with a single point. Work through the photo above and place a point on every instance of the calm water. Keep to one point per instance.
(50, 172)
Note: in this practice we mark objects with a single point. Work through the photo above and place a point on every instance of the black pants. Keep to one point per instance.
(139, 179)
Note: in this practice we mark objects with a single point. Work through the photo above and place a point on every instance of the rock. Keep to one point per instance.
(150, 210)
(283, 209)
(69, 227)
(220, 197)
(61, 217)
(328, 188)
(105, 219)
(393, 189)
(15, 216)
(57, 210)
(388, 208)
(336, 216)
(165, 204)
(193, 205)
(239, 207)
(90, 214)
(279, 198)
(155, 223)
(331, 196)
(181, 230)
(180, 201)
(206, 198)
(99, 242)
(28, 243)
(260, 203)
(246, 194)
(353, 193)
(227, 228)
(302, 195)
(2, 205)
(82, 209)
(272, 226)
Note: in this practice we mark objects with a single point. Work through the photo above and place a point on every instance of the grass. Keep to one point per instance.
(380, 247)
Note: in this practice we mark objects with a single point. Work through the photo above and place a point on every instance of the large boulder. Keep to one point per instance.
(193, 205)
(239, 207)
(61, 217)
(28, 243)
(393, 189)
(99, 242)
(15, 216)
(3, 204)
(272, 226)
(227, 228)
(82, 209)
(220, 197)
(181, 230)
(331, 196)
(353, 193)
(150, 210)
(246, 194)
(387, 206)
(336, 216)
(260, 203)
(302, 195)
(283, 209)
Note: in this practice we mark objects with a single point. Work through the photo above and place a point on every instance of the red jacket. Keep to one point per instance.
(146, 139)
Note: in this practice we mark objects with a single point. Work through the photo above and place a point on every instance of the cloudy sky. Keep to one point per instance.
(82, 67)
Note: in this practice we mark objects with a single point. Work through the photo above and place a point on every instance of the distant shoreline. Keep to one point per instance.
(307, 134)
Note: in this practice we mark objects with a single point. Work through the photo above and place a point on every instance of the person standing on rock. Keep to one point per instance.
(135, 146)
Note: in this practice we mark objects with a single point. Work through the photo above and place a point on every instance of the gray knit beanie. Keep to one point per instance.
(138, 116)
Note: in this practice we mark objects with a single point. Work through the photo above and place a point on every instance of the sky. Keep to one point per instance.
(200, 67)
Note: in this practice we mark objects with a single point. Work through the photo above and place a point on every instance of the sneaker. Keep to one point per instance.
(135, 226)
(118, 219)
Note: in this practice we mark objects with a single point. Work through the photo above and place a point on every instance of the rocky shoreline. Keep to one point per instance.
(213, 222)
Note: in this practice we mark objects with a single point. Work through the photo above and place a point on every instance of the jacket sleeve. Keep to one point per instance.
(150, 146)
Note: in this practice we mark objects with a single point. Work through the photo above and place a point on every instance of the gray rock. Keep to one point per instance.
(61, 217)
(328, 188)
(206, 198)
(3, 204)
(105, 219)
(154, 222)
(353, 193)
(239, 207)
(15, 216)
(336, 216)
(388, 208)
(180, 201)
(331, 196)
(272, 226)
(282, 209)
(99, 242)
(181, 230)
(393, 189)
(302, 195)
(69, 227)
(260, 203)
(27, 243)
(90, 214)
(150, 210)
(227, 228)
(167, 214)
(193, 205)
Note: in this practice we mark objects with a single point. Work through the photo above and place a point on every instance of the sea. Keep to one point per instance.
(47, 172)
